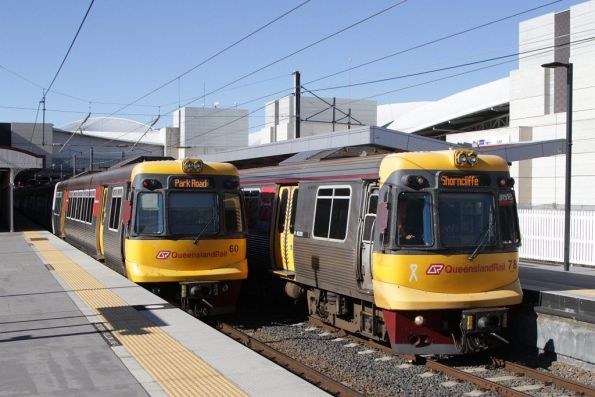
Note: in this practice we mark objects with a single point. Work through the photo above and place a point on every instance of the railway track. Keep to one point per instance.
(449, 377)
(535, 379)
(311, 375)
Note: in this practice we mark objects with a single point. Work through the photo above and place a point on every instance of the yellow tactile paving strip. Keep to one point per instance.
(176, 369)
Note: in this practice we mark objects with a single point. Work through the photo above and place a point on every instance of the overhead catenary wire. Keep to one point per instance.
(451, 67)
(442, 38)
(286, 90)
(396, 53)
(427, 43)
(80, 128)
(359, 22)
(145, 133)
(527, 53)
(214, 55)
(70, 47)
(467, 30)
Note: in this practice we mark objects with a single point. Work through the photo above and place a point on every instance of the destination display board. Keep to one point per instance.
(464, 181)
(180, 182)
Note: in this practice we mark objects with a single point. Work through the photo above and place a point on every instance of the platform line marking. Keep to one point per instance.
(176, 369)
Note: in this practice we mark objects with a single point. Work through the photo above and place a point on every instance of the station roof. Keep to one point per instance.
(356, 141)
(116, 128)
(13, 158)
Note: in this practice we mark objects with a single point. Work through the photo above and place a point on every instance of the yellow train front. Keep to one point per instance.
(175, 227)
(445, 261)
(416, 249)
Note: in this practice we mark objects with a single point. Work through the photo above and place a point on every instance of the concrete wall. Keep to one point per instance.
(316, 115)
(105, 153)
(212, 128)
(538, 99)
(34, 138)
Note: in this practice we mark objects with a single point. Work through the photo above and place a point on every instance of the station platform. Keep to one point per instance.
(70, 326)
(552, 290)
(561, 310)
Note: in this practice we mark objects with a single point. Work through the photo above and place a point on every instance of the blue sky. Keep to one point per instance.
(126, 49)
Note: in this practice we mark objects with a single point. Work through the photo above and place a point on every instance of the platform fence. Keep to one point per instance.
(542, 233)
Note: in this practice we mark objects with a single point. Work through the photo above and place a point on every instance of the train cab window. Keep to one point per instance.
(115, 205)
(467, 219)
(414, 219)
(193, 213)
(509, 222)
(232, 210)
(149, 213)
(331, 213)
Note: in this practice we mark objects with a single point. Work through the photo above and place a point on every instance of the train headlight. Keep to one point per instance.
(192, 166)
(465, 157)
(472, 159)
(419, 320)
(187, 166)
(462, 159)
(225, 288)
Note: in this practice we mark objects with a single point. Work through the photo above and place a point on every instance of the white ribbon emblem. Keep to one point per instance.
(413, 276)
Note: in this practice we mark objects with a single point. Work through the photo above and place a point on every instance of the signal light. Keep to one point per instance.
(151, 184)
(415, 181)
(506, 181)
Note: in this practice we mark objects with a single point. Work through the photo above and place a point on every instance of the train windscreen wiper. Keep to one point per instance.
(205, 227)
(482, 243)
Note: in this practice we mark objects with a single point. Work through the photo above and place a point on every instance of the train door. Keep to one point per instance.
(99, 227)
(367, 239)
(286, 206)
(65, 199)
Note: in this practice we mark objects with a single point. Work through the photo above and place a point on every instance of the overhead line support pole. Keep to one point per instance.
(298, 99)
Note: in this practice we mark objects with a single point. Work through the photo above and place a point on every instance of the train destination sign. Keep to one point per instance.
(447, 180)
(189, 183)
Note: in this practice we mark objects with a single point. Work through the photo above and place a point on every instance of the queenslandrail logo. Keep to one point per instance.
(435, 269)
(188, 255)
(163, 254)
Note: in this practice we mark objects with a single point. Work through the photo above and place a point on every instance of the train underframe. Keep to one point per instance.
(200, 298)
(432, 332)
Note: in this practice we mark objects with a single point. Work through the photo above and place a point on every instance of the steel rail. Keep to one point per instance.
(309, 374)
(548, 378)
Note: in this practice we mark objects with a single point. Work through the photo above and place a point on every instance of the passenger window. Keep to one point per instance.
(282, 211)
(332, 213)
(116, 204)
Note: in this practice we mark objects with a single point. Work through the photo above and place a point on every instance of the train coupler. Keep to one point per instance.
(204, 298)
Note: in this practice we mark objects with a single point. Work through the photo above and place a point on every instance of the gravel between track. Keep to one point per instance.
(374, 373)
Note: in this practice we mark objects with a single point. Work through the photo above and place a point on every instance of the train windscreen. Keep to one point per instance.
(193, 213)
(467, 219)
